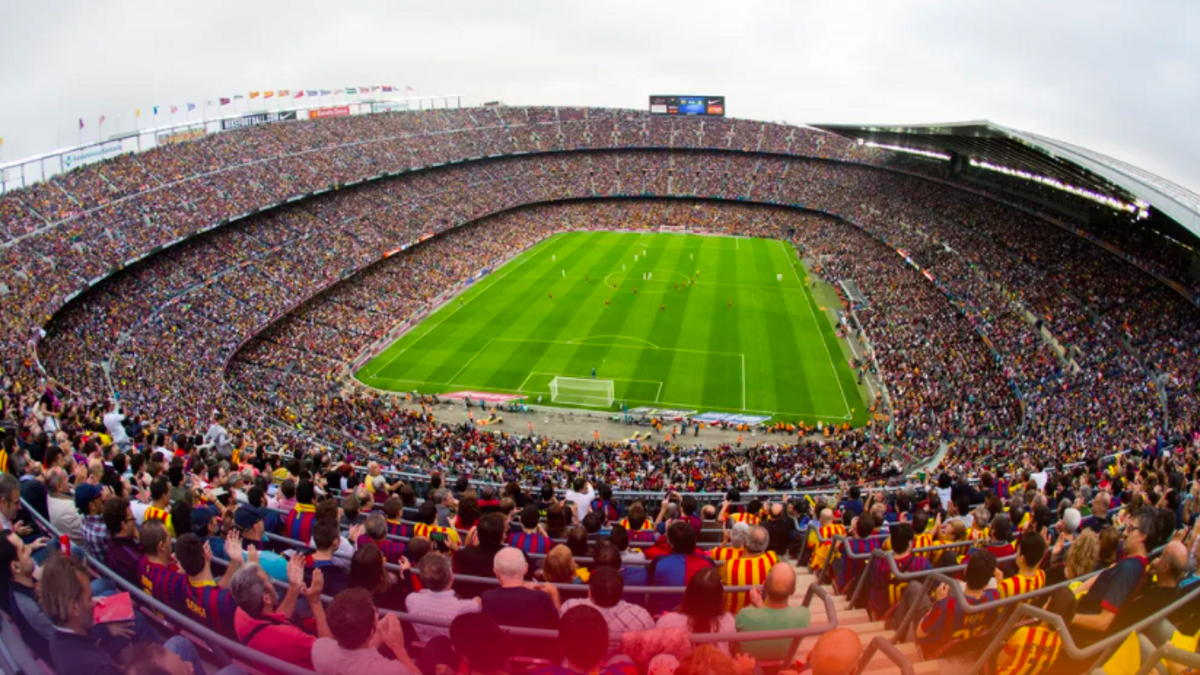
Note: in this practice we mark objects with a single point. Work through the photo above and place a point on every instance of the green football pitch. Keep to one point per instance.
(717, 324)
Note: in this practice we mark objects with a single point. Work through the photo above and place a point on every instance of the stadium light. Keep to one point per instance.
(1139, 208)
(912, 151)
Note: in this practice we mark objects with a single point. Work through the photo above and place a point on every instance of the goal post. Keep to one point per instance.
(582, 391)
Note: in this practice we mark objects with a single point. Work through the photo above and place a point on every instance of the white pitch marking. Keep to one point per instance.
(813, 313)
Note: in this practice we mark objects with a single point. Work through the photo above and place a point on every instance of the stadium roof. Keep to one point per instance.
(999, 146)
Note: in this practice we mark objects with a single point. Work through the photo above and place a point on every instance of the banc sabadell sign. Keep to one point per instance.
(96, 153)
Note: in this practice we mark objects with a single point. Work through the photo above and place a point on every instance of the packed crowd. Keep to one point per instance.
(341, 569)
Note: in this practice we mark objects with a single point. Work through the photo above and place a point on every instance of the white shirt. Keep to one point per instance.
(66, 519)
(1040, 478)
(437, 604)
(582, 501)
(112, 422)
(139, 511)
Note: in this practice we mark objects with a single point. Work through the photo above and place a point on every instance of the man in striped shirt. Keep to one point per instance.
(531, 538)
(1033, 649)
(748, 569)
(947, 623)
(1031, 548)
(828, 530)
(159, 575)
(736, 544)
(444, 537)
(207, 601)
(885, 589)
(299, 522)
(848, 569)
(375, 531)
(392, 508)
(160, 503)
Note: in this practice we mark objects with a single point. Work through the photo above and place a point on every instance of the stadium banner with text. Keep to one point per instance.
(729, 418)
(483, 396)
(335, 111)
(91, 154)
(257, 119)
(172, 137)
(389, 106)
(709, 106)
(664, 413)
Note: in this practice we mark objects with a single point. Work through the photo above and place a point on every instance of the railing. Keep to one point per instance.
(879, 644)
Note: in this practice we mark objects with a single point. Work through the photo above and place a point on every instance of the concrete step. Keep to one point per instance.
(879, 660)
(888, 668)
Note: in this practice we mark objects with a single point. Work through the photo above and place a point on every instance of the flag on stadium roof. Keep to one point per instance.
(326, 92)
(191, 107)
(174, 109)
(137, 112)
(268, 94)
(407, 88)
(225, 101)
(339, 91)
(351, 90)
(80, 122)
(254, 94)
(155, 110)
(312, 92)
(387, 87)
(299, 94)
(284, 92)
(364, 90)
(239, 96)
(102, 119)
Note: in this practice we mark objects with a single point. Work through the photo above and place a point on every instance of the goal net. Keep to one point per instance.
(581, 391)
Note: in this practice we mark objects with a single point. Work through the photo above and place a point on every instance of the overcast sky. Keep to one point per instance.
(1121, 78)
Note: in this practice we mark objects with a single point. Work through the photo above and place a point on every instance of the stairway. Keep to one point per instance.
(858, 621)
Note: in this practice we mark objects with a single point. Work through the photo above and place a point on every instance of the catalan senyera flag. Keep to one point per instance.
(284, 92)
(268, 94)
(254, 94)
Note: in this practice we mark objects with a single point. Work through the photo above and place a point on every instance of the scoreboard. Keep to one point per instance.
(687, 105)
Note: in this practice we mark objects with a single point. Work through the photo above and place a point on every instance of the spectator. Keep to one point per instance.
(376, 532)
(354, 622)
(736, 544)
(124, 552)
(208, 602)
(368, 570)
(17, 595)
(1033, 649)
(206, 525)
(1031, 549)
(66, 597)
(581, 496)
(64, 515)
(525, 606)
(947, 623)
(835, 653)
(478, 640)
(1167, 571)
(678, 568)
(581, 637)
(532, 538)
(748, 569)
(159, 575)
(218, 438)
(89, 499)
(437, 599)
(300, 520)
(444, 537)
(886, 590)
(477, 560)
(605, 588)
(264, 623)
(1108, 593)
(703, 608)
(770, 610)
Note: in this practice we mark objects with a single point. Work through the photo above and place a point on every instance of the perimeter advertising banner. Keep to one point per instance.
(389, 106)
(172, 137)
(91, 154)
(336, 111)
(257, 119)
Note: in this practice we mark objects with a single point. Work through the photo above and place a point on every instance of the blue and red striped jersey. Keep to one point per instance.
(299, 523)
(853, 568)
(607, 508)
(947, 623)
(392, 550)
(885, 589)
(212, 606)
(397, 528)
(535, 542)
(675, 569)
(163, 583)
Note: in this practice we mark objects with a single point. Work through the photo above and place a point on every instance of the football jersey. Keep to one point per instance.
(447, 534)
(163, 583)
(745, 571)
(1031, 650)
(853, 568)
(299, 523)
(647, 524)
(212, 606)
(398, 528)
(1019, 585)
(947, 623)
(886, 590)
(530, 542)
(391, 549)
(155, 513)
(822, 555)
(725, 553)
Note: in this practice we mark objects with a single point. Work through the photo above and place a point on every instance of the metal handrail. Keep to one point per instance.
(887, 649)
(220, 644)
(1169, 652)
(1102, 649)
(910, 576)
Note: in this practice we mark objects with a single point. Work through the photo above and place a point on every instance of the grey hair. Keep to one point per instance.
(376, 526)
(248, 590)
(741, 531)
(758, 540)
(380, 483)
(8, 485)
(509, 563)
(434, 570)
(981, 516)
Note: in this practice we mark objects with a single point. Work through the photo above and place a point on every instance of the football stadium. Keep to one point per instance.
(360, 380)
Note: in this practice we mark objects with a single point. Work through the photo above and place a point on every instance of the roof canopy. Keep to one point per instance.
(986, 142)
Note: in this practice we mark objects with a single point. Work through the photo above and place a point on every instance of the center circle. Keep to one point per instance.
(647, 280)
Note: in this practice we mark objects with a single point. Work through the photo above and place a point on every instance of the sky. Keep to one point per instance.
(1122, 78)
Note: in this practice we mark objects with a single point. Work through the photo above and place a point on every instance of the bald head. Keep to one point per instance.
(509, 565)
(826, 516)
(836, 653)
(1172, 564)
(758, 540)
(780, 584)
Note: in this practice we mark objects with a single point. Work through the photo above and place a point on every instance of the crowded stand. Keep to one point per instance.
(251, 483)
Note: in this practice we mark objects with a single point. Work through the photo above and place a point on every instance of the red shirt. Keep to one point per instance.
(279, 639)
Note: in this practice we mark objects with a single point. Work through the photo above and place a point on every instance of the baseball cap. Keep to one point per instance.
(84, 494)
(247, 517)
(201, 517)
(1071, 520)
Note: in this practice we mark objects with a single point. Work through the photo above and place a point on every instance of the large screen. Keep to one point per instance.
(687, 105)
